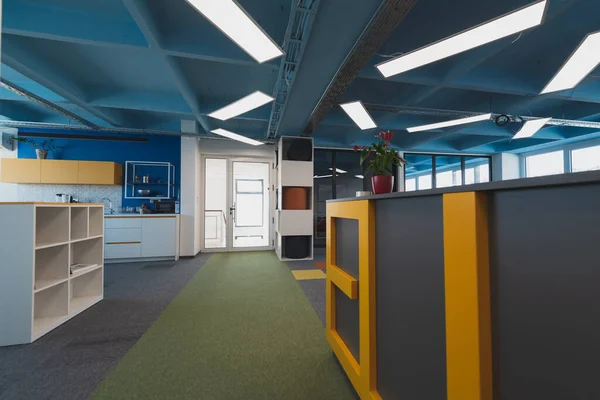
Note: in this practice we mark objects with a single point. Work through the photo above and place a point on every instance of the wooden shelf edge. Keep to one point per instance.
(53, 283)
(48, 245)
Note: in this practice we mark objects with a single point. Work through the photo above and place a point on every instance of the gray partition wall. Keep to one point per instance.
(411, 339)
(545, 290)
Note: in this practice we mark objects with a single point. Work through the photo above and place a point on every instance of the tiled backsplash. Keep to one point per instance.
(83, 193)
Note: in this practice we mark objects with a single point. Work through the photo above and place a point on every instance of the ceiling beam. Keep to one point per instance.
(45, 103)
(143, 18)
(386, 18)
(52, 84)
(126, 46)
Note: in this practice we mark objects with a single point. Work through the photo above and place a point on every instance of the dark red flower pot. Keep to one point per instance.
(382, 184)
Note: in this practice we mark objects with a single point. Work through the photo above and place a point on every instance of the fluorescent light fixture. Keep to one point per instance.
(583, 61)
(359, 176)
(359, 115)
(509, 24)
(530, 128)
(454, 122)
(235, 136)
(322, 176)
(241, 106)
(236, 24)
(341, 171)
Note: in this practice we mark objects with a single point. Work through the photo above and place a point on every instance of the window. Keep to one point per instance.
(448, 171)
(418, 172)
(477, 170)
(424, 182)
(586, 159)
(545, 164)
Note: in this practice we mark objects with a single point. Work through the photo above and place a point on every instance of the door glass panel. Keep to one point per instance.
(251, 203)
(215, 203)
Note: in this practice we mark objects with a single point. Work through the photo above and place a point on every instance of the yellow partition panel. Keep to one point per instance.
(60, 171)
(20, 170)
(99, 173)
(363, 376)
(467, 293)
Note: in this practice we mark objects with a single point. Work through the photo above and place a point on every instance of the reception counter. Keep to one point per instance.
(487, 291)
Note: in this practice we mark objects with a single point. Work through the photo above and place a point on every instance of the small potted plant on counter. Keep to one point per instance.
(381, 158)
(41, 148)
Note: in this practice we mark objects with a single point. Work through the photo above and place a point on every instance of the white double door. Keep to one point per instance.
(237, 204)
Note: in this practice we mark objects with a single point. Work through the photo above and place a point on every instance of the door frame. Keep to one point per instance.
(230, 158)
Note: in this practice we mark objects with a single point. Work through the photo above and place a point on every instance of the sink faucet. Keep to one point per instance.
(110, 209)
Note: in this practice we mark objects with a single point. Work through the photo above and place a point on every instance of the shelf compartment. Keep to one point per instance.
(86, 289)
(51, 266)
(79, 223)
(87, 252)
(51, 226)
(86, 270)
(51, 308)
(96, 221)
(294, 222)
(297, 247)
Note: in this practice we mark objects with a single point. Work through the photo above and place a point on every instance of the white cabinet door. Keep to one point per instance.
(159, 236)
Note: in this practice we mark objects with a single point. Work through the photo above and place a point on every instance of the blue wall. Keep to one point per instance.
(157, 148)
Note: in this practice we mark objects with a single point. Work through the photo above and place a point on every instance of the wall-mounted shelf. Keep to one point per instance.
(161, 183)
(39, 243)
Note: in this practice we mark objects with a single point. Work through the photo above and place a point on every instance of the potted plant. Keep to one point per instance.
(380, 158)
(41, 148)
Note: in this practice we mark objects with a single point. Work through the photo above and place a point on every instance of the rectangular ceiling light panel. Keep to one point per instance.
(583, 61)
(499, 28)
(235, 136)
(242, 106)
(359, 114)
(530, 128)
(341, 171)
(233, 21)
(454, 122)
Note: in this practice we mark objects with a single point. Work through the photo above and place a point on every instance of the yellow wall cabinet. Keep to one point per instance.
(100, 173)
(20, 170)
(24, 170)
(60, 171)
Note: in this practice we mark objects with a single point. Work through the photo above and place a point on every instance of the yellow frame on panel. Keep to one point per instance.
(364, 375)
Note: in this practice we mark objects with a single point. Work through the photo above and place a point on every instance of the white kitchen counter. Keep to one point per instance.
(137, 215)
(130, 237)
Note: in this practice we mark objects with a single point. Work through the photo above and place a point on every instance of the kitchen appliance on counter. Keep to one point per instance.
(164, 207)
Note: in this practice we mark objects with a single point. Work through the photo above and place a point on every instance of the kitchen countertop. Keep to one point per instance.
(523, 183)
(137, 215)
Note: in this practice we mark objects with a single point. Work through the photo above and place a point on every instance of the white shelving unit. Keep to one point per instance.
(293, 224)
(39, 242)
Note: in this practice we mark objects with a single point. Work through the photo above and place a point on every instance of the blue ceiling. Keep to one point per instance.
(135, 64)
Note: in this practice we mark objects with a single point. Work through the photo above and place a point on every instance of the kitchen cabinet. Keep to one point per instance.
(141, 238)
(100, 173)
(27, 170)
(59, 171)
(21, 170)
(159, 237)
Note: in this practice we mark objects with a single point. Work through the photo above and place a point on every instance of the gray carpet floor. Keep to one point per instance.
(314, 289)
(70, 361)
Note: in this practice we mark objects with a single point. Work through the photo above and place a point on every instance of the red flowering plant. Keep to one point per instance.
(380, 156)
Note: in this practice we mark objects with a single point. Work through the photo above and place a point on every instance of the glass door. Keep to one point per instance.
(237, 204)
(250, 209)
